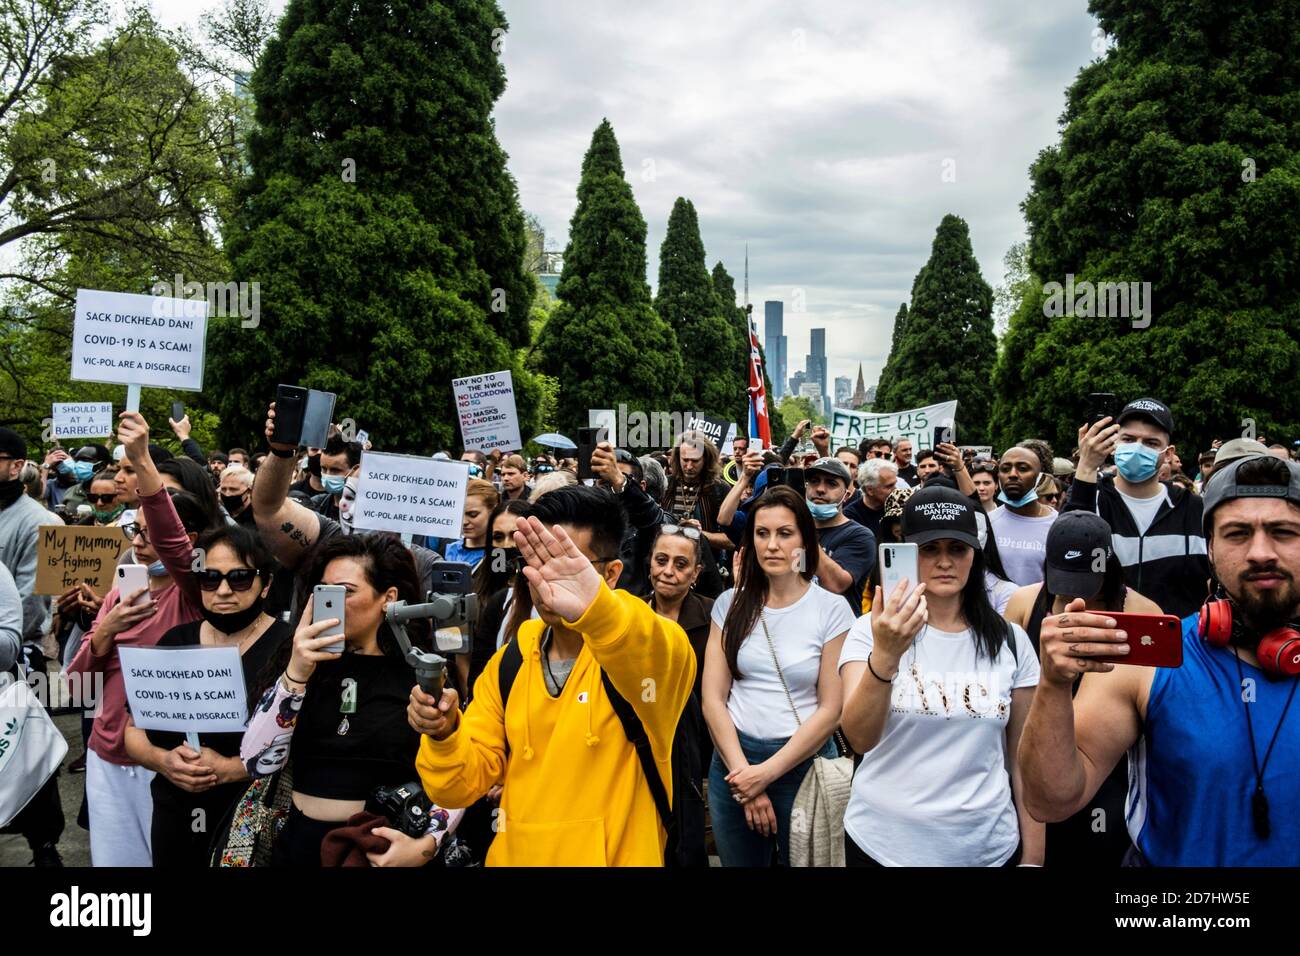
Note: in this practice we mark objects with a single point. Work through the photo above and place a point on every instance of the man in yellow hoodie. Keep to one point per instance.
(574, 793)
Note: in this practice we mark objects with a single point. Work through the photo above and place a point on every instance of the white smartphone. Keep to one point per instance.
(131, 578)
(898, 561)
(327, 601)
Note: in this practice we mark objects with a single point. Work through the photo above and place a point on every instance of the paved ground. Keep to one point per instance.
(75, 844)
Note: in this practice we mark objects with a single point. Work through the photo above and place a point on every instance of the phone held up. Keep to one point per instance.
(1154, 640)
(898, 561)
(1102, 405)
(327, 601)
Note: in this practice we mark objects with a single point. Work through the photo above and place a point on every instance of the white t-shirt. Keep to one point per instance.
(1022, 543)
(1144, 510)
(758, 705)
(935, 790)
(999, 591)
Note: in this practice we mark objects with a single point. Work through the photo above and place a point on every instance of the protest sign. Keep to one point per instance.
(712, 428)
(128, 339)
(187, 690)
(67, 555)
(486, 405)
(409, 494)
(728, 446)
(918, 424)
(82, 419)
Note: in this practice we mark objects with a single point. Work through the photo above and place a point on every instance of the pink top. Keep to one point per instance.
(178, 603)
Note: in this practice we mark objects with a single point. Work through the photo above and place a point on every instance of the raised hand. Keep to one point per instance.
(564, 583)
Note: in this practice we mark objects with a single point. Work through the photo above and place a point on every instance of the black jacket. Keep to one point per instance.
(1169, 563)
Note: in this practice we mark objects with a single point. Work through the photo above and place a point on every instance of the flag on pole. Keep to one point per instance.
(759, 425)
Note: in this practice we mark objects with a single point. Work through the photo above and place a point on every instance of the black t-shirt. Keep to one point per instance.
(869, 518)
(908, 474)
(853, 548)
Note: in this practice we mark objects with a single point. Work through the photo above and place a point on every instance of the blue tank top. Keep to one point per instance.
(1191, 777)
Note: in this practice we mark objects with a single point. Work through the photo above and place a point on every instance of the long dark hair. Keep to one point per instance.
(992, 556)
(487, 580)
(751, 590)
(196, 482)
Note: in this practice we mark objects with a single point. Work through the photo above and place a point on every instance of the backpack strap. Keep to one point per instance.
(511, 661)
(637, 736)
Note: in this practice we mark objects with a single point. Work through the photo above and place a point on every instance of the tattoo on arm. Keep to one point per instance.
(295, 534)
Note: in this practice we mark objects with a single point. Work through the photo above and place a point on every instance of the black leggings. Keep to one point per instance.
(853, 855)
(300, 840)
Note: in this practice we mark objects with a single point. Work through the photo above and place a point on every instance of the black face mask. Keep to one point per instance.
(10, 491)
(233, 504)
(313, 465)
(231, 623)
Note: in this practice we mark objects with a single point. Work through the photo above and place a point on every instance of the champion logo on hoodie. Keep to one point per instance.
(582, 697)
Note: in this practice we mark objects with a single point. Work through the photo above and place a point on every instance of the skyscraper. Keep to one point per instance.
(774, 344)
(816, 366)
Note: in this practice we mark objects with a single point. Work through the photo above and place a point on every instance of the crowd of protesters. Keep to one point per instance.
(670, 660)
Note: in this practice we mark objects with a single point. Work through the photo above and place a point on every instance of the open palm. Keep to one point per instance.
(564, 582)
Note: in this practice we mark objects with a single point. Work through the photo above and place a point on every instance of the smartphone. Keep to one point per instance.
(290, 405)
(316, 418)
(131, 578)
(1102, 405)
(898, 561)
(178, 411)
(790, 477)
(327, 602)
(452, 577)
(944, 434)
(1154, 640)
(588, 439)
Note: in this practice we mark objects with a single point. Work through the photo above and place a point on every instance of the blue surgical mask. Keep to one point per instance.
(80, 470)
(158, 570)
(1136, 462)
(334, 483)
(1020, 502)
(823, 512)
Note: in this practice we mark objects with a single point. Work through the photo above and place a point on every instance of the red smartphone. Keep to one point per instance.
(1154, 640)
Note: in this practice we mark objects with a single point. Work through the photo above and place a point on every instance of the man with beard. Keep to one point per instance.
(1020, 524)
(694, 488)
(1208, 788)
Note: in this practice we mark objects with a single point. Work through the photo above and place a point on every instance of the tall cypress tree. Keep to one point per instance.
(686, 300)
(379, 220)
(948, 348)
(889, 372)
(1178, 165)
(604, 342)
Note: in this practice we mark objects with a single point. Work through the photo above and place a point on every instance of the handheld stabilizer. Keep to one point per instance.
(455, 607)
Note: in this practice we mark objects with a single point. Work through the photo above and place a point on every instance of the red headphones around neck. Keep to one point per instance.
(1278, 651)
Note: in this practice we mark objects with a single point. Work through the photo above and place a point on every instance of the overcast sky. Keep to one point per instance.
(819, 133)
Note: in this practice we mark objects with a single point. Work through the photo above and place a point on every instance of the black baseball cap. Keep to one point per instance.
(1074, 543)
(12, 444)
(1150, 409)
(935, 512)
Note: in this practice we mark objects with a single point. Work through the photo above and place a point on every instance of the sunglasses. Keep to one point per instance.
(102, 499)
(240, 579)
(692, 533)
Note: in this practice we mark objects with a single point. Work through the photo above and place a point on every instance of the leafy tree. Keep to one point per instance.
(380, 221)
(792, 410)
(687, 301)
(1178, 165)
(604, 342)
(887, 374)
(947, 350)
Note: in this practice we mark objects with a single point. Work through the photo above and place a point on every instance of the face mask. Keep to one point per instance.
(232, 503)
(334, 483)
(1020, 503)
(231, 623)
(823, 512)
(347, 504)
(1136, 462)
(313, 465)
(158, 570)
(106, 516)
(78, 470)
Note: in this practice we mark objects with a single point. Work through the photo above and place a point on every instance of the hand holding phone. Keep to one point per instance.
(290, 407)
(898, 607)
(328, 601)
(130, 579)
(1154, 640)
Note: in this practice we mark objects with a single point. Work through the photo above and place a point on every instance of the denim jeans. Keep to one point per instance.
(738, 845)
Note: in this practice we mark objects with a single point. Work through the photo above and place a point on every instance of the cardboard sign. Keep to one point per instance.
(67, 555)
(486, 405)
(128, 339)
(712, 428)
(83, 419)
(185, 689)
(409, 494)
(850, 427)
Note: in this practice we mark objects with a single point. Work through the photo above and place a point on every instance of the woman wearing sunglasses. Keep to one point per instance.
(166, 526)
(191, 785)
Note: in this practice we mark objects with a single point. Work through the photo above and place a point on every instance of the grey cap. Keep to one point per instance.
(1238, 448)
(1222, 486)
(1061, 467)
(833, 467)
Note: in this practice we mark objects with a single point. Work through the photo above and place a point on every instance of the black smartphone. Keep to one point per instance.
(316, 417)
(944, 434)
(452, 577)
(792, 478)
(178, 411)
(290, 406)
(1102, 405)
(588, 439)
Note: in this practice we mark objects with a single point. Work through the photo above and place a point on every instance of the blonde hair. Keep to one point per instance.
(478, 488)
(550, 481)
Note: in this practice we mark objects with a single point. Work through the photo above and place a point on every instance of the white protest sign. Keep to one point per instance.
(83, 419)
(129, 339)
(486, 405)
(410, 495)
(918, 424)
(185, 689)
(728, 446)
